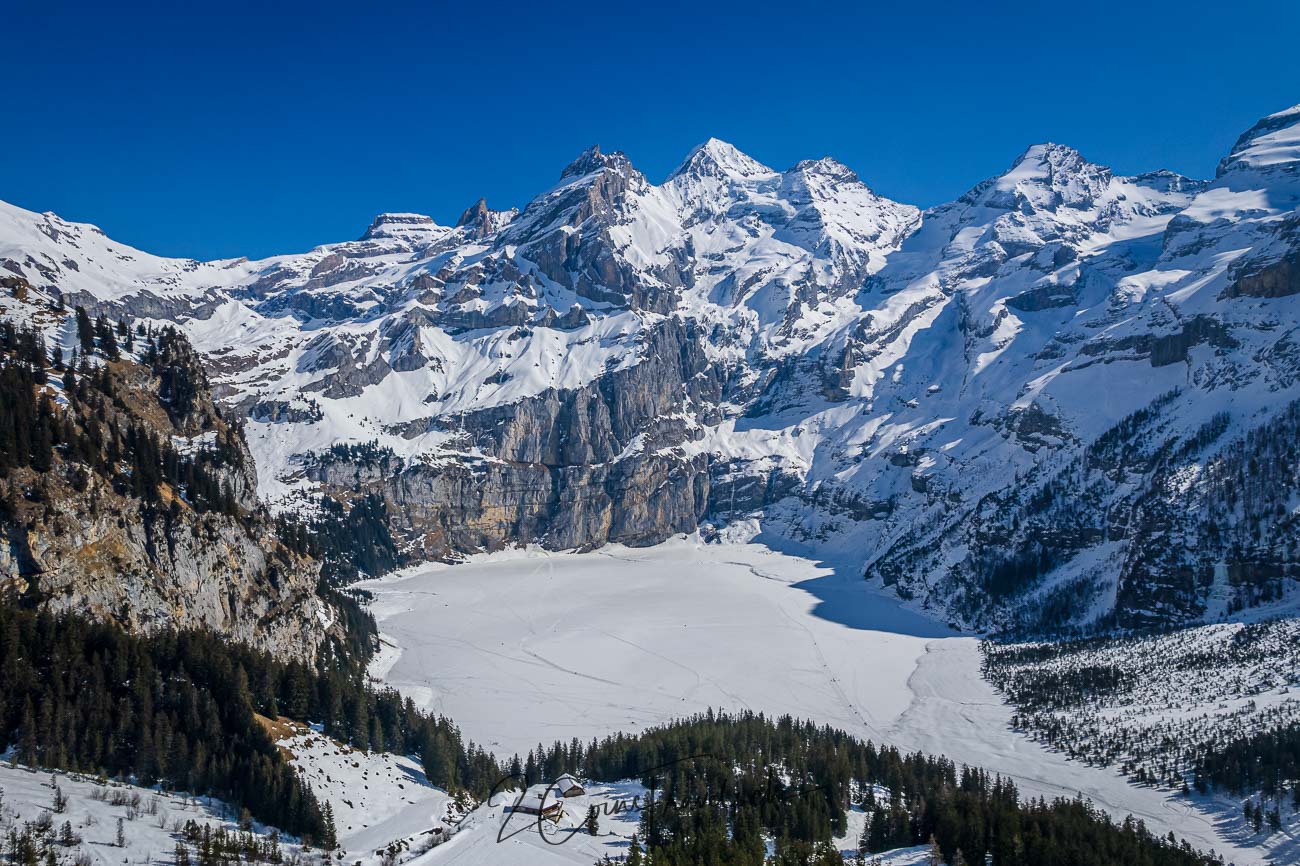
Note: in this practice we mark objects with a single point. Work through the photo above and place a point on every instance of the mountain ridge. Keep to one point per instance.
(620, 361)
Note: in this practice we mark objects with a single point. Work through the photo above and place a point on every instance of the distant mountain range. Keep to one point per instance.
(1066, 399)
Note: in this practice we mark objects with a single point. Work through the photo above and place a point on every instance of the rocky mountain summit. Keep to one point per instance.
(1064, 399)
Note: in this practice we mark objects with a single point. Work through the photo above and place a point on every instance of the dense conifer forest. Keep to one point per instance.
(349, 540)
(721, 784)
(175, 710)
(180, 710)
(1266, 761)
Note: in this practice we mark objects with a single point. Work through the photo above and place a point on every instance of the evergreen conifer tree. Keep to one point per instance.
(85, 331)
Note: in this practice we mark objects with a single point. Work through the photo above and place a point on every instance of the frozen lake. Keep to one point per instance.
(526, 647)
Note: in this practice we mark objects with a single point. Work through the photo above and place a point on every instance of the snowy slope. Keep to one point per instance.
(380, 801)
(151, 821)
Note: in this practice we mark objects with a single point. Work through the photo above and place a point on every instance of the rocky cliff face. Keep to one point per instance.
(132, 499)
(938, 395)
(571, 468)
(94, 552)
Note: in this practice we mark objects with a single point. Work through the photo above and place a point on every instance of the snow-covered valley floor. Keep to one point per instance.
(527, 647)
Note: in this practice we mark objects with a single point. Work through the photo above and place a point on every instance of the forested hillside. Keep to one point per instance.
(126, 494)
(180, 709)
(1206, 710)
(721, 784)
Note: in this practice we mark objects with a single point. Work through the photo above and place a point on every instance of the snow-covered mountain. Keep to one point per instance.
(1031, 406)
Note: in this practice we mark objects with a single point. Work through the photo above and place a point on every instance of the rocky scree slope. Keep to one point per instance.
(1046, 404)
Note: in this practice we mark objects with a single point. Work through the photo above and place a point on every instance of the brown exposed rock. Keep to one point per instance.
(1280, 279)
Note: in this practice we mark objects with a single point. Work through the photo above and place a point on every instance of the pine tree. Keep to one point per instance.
(105, 340)
(28, 751)
(85, 331)
(329, 833)
(593, 821)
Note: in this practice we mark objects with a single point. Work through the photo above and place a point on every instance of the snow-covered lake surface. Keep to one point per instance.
(525, 647)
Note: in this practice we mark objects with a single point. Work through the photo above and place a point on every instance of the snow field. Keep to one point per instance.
(526, 647)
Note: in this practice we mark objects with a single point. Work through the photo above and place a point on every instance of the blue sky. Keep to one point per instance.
(225, 129)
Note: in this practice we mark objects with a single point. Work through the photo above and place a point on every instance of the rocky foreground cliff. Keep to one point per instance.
(124, 493)
(1045, 404)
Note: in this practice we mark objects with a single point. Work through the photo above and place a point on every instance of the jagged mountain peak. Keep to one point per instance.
(1053, 164)
(473, 214)
(479, 220)
(593, 159)
(586, 162)
(1051, 153)
(827, 178)
(717, 158)
(826, 167)
(836, 211)
(1045, 177)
